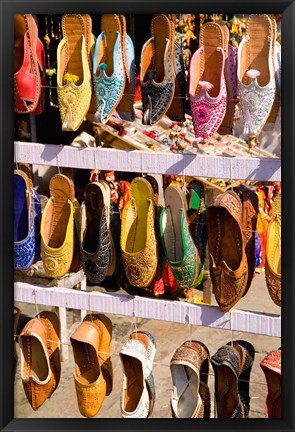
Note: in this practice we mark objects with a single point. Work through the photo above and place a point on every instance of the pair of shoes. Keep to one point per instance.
(27, 217)
(273, 252)
(226, 245)
(162, 76)
(40, 359)
(138, 237)
(74, 83)
(98, 253)
(178, 246)
(138, 390)
(59, 226)
(271, 366)
(190, 397)
(212, 83)
(114, 70)
(29, 66)
(232, 365)
(258, 82)
(93, 373)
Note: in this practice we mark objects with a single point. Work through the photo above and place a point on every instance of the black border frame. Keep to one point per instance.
(7, 10)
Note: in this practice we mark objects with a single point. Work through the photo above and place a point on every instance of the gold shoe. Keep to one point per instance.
(74, 84)
(273, 253)
(138, 238)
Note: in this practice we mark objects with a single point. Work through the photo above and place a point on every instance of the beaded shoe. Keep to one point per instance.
(74, 85)
(190, 397)
(40, 358)
(227, 258)
(157, 74)
(207, 88)
(57, 227)
(271, 366)
(273, 253)
(138, 238)
(232, 367)
(138, 390)
(27, 218)
(256, 77)
(178, 245)
(109, 72)
(95, 238)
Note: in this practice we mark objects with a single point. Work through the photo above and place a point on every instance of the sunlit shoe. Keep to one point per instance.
(273, 253)
(57, 227)
(189, 367)
(157, 74)
(207, 87)
(40, 358)
(138, 391)
(109, 74)
(95, 239)
(256, 76)
(89, 380)
(271, 366)
(27, 217)
(74, 84)
(227, 258)
(138, 238)
(178, 245)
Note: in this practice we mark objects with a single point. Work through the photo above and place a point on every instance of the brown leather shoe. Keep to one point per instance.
(91, 348)
(271, 366)
(40, 359)
(227, 257)
(15, 322)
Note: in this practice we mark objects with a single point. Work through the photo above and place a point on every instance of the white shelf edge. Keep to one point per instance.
(258, 169)
(150, 308)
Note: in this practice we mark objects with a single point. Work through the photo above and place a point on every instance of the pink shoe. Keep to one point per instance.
(207, 89)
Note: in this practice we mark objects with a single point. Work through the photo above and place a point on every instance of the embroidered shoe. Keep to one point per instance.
(138, 238)
(179, 248)
(57, 227)
(27, 218)
(190, 397)
(109, 73)
(273, 253)
(138, 390)
(94, 233)
(74, 85)
(256, 78)
(227, 258)
(157, 74)
(207, 87)
(232, 367)
(276, 55)
(271, 366)
(40, 359)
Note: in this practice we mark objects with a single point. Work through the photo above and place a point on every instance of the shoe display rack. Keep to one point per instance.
(252, 168)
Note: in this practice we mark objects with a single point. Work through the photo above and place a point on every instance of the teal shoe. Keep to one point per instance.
(178, 245)
(108, 68)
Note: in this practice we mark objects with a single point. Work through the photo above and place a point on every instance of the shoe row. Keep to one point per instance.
(189, 366)
(139, 237)
(101, 72)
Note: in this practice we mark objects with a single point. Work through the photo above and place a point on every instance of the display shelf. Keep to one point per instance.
(258, 169)
(150, 308)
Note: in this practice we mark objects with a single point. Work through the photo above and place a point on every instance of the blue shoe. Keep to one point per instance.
(108, 68)
(27, 217)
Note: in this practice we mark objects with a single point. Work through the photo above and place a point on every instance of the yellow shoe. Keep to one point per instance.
(57, 227)
(138, 239)
(273, 253)
(74, 84)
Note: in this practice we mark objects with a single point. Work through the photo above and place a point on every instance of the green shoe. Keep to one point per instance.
(178, 245)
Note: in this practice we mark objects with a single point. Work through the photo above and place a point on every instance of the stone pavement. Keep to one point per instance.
(168, 336)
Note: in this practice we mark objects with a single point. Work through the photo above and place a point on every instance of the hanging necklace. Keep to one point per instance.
(49, 71)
